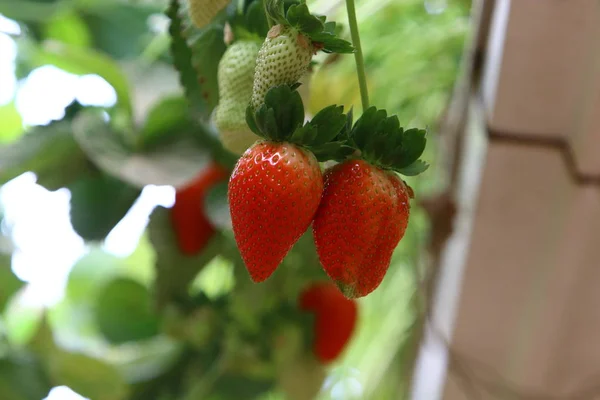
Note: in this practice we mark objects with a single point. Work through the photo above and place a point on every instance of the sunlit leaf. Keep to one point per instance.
(21, 319)
(51, 152)
(9, 283)
(11, 123)
(174, 163)
(69, 28)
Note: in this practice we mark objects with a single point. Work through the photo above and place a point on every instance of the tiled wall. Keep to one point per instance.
(530, 295)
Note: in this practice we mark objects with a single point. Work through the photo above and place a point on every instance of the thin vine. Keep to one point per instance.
(358, 55)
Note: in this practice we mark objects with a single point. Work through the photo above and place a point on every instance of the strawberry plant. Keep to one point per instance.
(260, 279)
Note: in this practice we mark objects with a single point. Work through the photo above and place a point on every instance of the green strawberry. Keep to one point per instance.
(283, 58)
(235, 77)
(202, 12)
(289, 46)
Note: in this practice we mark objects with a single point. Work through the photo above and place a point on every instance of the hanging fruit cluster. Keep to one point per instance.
(360, 207)
(282, 218)
(240, 68)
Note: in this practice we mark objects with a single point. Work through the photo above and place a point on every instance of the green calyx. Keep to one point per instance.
(281, 119)
(298, 16)
(384, 143)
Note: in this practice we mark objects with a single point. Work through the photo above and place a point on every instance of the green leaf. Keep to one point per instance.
(69, 28)
(169, 115)
(383, 142)
(330, 27)
(90, 274)
(196, 54)
(414, 169)
(281, 114)
(316, 28)
(332, 44)
(329, 122)
(413, 145)
(109, 24)
(22, 378)
(21, 320)
(98, 203)
(251, 121)
(207, 50)
(11, 125)
(216, 206)
(124, 312)
(271, 128)
(289, 110)
(9, 283)
(364, 126)
(174, 163)
(50, 151)
(255, 19)
(304, 134)
(81, 61)
(182, 60)
(174, 270)
(337, 151)
(234, 386)
(28, 10)
(276, 11)
(300, 17)
(87, 376)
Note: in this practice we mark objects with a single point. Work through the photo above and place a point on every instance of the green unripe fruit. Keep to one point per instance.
(235, 78)
(283, 59)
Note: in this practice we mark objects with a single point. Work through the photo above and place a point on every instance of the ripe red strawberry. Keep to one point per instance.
(365, 207)
(335, 319)
(274, 192)
(192, 228)
(362, 217)
(276, 186)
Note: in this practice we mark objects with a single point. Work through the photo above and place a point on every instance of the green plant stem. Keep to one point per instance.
(267, 14)
(358, 55)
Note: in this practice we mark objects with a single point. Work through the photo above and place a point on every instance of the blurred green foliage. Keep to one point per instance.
(157, 324)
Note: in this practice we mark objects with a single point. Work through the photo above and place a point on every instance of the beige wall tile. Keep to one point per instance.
(509, 289)
(537, 54)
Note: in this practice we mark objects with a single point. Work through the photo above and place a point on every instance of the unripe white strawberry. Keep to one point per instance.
(235, 78)
(202, 12)
(283, 59)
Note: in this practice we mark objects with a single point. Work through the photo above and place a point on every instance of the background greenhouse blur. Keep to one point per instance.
(413, 50)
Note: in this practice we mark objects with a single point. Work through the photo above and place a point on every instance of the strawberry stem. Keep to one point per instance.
(358, 55)
(267, 14)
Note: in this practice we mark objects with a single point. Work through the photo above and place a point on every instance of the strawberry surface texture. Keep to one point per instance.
(274, 192)
(283, 59)
(363, 215)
